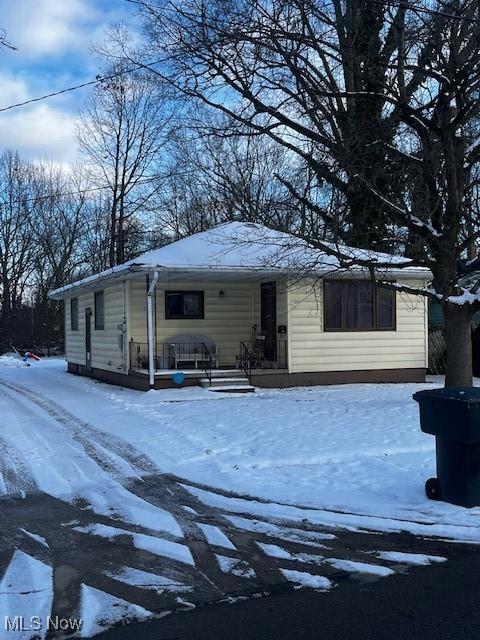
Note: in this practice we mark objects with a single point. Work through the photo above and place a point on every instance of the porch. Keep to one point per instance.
(204, 327)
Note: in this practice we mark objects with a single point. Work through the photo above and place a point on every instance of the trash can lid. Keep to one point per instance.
(456, 394)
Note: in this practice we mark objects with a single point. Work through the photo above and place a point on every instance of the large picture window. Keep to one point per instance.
(184, 304)
(74, 314)
(99, 310)
(358, 306)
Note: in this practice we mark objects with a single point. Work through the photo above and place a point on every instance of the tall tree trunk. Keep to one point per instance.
(113, 234)
(120, 249)
(458, 338)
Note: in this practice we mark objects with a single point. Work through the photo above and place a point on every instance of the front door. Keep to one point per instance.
(88, 339)
(268, 318)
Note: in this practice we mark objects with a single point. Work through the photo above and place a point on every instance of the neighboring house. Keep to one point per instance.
(435, 316)
(469, 278)
(242, 296)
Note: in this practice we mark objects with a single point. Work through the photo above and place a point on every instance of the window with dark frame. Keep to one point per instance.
(358, 306)
(99, 310)
(184, 304)
(74, 314)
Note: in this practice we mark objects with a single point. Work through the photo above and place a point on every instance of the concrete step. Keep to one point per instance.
(230, 388)
(227, 373)
(238, 381)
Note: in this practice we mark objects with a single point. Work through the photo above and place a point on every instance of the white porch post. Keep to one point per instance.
(150, 331)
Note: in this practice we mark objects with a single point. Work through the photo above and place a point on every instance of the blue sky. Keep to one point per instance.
(54, 40)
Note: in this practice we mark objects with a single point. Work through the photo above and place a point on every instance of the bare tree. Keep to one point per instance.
(121, 132)
(16, 246)
(216, 176)
(379, 100)
(4, 41)
(57, 223)
(96, 235)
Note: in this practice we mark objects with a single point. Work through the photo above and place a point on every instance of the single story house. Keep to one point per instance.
(241, 300)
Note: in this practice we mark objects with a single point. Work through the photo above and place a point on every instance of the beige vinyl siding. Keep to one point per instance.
(312, 349)
(228, 320)
(282, 319)
(75, 340)
(138, 310)
(108, 347)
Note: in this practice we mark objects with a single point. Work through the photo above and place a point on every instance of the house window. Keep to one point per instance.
(184, 304)
(358, 306)
(99, 310)
(74, 314)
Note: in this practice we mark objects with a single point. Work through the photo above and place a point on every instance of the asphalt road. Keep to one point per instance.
(437, 602)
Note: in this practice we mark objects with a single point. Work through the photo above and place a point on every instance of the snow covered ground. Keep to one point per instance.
(348, 456)
(351, 448)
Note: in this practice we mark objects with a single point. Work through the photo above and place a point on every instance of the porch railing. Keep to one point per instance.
(193, 355)
(272, 354)
(197, 355)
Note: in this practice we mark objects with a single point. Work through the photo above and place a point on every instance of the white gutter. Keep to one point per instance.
(151, 363)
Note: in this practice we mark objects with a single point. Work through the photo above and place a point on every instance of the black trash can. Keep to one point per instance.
(452, 415)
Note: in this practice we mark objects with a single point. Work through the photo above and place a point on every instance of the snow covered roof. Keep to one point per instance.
(248, 247)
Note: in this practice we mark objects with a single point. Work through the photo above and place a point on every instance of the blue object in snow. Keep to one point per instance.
(178, 377)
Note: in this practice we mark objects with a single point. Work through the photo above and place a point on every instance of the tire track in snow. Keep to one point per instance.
(99, 446)
(14, 473)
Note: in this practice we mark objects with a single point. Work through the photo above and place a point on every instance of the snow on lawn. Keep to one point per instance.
(12, 360)
(356, 449)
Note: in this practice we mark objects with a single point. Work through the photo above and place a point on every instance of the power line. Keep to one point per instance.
(144, 4)
(97, 80)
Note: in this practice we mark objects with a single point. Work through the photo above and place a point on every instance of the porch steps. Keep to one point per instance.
(221, 384)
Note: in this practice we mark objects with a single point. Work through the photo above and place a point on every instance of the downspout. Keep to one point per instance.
(151, 363)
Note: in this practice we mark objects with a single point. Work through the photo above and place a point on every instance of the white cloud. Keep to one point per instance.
(13, 89)
(40, 132)
(48, 26)
(53, 38)
(52, 27)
